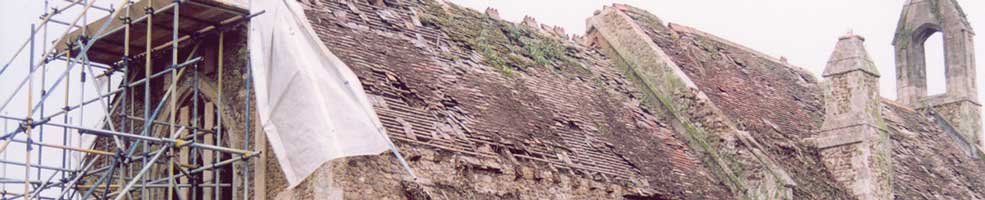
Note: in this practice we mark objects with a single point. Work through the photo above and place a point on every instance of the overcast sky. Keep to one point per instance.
(16, 17)
(804, 31)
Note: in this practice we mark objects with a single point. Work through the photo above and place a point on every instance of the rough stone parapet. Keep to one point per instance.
(493, 13)
(687, 29)
(555, 31)
(962, 114)
(530, 22)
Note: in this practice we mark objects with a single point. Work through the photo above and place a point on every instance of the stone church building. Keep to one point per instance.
(635, 108)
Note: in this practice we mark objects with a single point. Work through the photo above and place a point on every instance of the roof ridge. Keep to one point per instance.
(691, 30)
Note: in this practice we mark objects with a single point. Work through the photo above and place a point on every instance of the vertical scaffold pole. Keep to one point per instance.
(44, 76)
(218, 131)
(147, 74)
(174, 100)
(247, 132)
(127, 92)
(5, 130)
(68, 62)
(28, 123)
(194, 154)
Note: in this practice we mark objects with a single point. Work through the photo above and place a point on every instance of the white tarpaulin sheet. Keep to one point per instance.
(311, 105)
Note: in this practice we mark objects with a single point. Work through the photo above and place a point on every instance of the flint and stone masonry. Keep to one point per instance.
(853, 140)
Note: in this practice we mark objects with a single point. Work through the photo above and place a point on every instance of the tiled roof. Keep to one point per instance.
(572, 113)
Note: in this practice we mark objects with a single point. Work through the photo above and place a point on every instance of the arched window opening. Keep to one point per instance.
(936, 64)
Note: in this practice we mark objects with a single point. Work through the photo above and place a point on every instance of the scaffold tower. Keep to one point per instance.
(164, 133)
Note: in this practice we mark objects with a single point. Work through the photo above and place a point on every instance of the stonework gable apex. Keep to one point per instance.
(921, 19)
(935, 15)
(850, 55)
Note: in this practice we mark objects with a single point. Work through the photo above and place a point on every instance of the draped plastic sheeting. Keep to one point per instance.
(311, 105)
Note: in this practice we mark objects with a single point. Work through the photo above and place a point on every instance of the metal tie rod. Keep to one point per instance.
(65, 23)
(35, 166)
(166, 71)
(183, 185)
(93, 64)
(176, 142)
(208, 167)
(42, 145)
(13, 196)
(16, 181)
(93, 6)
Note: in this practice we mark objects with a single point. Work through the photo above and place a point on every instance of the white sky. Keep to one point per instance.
(16, 17)
(804, 31)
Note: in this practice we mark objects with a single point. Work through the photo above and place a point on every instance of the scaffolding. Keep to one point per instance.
(191, 156)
